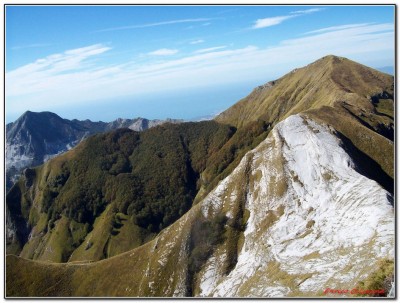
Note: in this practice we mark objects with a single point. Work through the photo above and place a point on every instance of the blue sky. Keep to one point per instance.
(104, 62)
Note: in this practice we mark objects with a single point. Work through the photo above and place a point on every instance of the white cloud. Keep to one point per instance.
(271, 21)
(73, 77)
(207, 50)
(152, 24)
(164, 52)
(197, 41)
(267, 22)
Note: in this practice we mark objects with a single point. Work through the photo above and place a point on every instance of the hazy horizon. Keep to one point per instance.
(184, 62)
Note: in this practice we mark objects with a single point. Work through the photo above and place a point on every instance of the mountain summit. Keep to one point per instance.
(329, 81)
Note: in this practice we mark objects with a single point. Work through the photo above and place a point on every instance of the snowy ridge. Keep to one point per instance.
(314, 223)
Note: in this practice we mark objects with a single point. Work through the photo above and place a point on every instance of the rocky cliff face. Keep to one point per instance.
(37, 137)
(297, 218)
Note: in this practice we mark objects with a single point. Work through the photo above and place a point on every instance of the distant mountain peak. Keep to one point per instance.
(30, 114)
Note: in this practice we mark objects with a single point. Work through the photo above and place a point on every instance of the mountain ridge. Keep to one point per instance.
(353, 98)
(325, 73)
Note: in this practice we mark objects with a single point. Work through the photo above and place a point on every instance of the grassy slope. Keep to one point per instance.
(156, 268)
(322, 83)
(136, 269)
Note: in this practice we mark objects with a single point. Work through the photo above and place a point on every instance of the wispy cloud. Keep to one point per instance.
(34, 45)
(164, 52)
(152, 24)
(336, 28)
(34, 77)
(74, 76)
(197, 41)
(267, 22)
(271, 21)
(207, 50)
(307, 11)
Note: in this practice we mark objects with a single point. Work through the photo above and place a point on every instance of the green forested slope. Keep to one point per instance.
(116, 191)
(128, 185)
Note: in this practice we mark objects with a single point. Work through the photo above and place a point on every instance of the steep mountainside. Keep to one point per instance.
(114, 192)
(292, 196)
(111, 193)
(354, 99)
(293, 219)
(36, 137)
